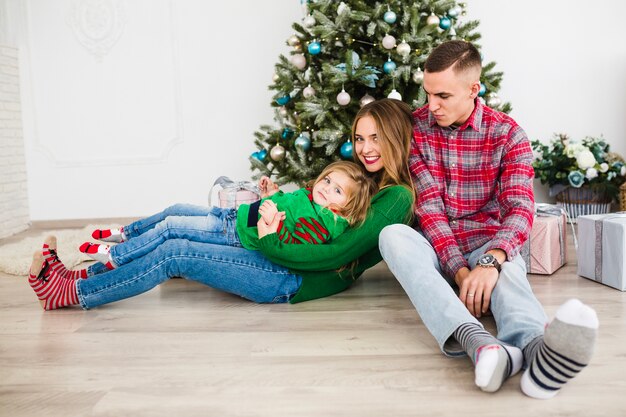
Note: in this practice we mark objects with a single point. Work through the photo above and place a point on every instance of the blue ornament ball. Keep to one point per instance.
(261, 154)
(389, 67)
(482, 90)
(390, 17)
(281, 101)
(255, 155)
(346, 150)
(315, 48)
(303, 142)
(445, 23)
(287, 133)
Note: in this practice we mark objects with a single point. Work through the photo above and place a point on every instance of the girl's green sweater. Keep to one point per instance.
(319, 265)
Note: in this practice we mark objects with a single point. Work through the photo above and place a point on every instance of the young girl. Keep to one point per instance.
(277, 272)
(339, 197)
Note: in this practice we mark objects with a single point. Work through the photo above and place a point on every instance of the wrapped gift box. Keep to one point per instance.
(601, 248)
(234, 193)
(545, 250)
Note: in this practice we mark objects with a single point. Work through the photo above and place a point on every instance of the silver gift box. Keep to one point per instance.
(601, 248)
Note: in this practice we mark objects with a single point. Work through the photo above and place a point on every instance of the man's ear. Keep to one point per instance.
(474, 89)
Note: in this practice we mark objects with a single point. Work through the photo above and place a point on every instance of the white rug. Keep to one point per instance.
(15, 258)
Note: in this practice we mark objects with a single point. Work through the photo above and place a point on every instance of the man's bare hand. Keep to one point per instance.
(475, 289)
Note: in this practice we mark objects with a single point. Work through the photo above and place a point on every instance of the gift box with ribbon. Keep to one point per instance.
(602, 248)
(232, 194)
(545, 250)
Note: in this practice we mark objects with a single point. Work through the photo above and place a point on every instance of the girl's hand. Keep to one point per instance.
(268, 210)
(267, 187)
(272, 227)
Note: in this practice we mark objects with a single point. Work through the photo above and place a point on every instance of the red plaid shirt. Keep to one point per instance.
(474, 184)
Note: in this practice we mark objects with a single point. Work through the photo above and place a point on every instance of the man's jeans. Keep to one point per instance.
(411, 258)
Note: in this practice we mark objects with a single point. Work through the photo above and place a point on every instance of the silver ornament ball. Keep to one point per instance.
(277, 153)
(343, 98)
(308, 91)
(309, 21)
(298, 61)
(366, 99)
(293, 40)
(275, 77)
(432, 20)
(282, 111)
(418, 76)
(389, 42)
(493, 100)
(403, 49)
(395, 95)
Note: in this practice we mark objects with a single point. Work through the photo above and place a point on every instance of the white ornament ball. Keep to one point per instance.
(293, 40)
(275, 77)
(395, 95)
(493, 100)
(403, 49)
(418, 76)
(366, 99)
(343, 98)
(282, 111)
(309, 21)
(277, 153)
(432, 20)
(308, 91)
(389, 42)
(298, 61)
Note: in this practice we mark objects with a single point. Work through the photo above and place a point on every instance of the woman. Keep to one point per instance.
(278, 272)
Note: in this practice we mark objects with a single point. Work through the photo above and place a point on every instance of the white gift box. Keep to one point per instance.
(601, 248)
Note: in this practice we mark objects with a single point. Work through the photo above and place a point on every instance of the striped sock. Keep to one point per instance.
(52, 289)
(54, 263)
(563, 351)
(100, 253)
(109, 235)
(494, 361)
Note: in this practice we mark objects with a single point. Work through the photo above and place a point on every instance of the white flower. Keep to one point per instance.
(604, 167)
(572, 150)
(591, 173)
(585, 159)
(623, 170)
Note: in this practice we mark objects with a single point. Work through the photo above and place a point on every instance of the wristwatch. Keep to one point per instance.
(487, 260)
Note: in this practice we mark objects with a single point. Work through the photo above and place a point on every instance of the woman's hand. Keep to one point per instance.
(272, 227)
(267, 187)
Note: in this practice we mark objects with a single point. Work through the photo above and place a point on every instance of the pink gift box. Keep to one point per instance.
(545, 250)
(232, 194)
(231, 197)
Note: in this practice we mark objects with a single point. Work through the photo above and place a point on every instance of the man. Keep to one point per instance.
(471, 167)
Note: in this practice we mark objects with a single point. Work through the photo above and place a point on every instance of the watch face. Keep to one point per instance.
(486, 259)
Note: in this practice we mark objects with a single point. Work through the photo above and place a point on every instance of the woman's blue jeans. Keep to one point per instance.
(412, 260)
(232, 269)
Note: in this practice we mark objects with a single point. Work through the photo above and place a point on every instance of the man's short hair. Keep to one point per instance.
(459, 55)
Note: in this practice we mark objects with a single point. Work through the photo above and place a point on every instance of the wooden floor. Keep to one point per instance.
(186, 350)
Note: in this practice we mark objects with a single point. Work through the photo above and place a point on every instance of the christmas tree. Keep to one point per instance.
(346, 54)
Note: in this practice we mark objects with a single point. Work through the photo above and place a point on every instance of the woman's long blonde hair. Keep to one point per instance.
(359, 194)
(394, 124)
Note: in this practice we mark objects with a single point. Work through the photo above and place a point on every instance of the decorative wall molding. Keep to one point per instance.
(98, 30)
(97, 24)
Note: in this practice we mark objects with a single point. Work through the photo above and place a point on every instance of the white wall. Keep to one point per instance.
(173, 100)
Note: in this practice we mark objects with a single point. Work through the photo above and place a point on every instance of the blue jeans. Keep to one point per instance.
(180, 221)
(411, 258)
(231, 269)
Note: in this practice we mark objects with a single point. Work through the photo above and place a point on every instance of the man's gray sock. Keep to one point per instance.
(566, 349)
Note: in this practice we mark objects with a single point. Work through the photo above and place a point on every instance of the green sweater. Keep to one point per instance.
(319, 264)
(305, 220)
